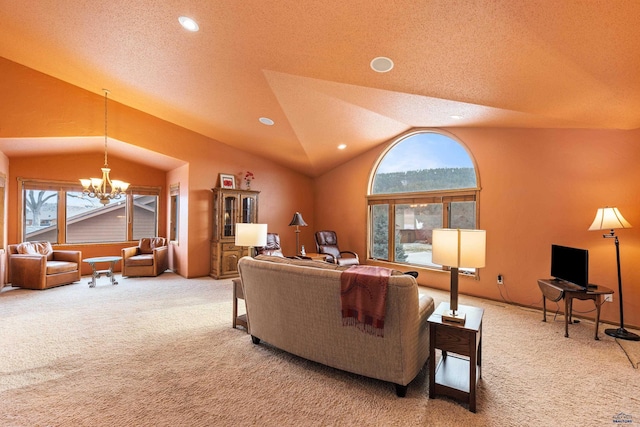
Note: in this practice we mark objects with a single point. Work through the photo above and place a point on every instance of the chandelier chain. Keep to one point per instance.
(106, 94)
(104, 189)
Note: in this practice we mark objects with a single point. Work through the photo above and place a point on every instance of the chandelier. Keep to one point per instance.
(104, 188)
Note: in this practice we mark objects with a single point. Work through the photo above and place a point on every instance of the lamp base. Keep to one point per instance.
(622, 333)
(454, 317)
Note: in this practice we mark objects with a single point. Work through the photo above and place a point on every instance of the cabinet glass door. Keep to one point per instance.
(249, 209)
(229, 216)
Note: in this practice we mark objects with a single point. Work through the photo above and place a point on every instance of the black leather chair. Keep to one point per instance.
(273, 246)
(327, 243)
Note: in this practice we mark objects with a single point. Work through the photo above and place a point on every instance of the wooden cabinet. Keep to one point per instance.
(229, 208)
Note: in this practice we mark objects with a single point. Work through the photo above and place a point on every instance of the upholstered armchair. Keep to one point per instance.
(327, 243)
(36, 265)
(272, 248)
(149, 258)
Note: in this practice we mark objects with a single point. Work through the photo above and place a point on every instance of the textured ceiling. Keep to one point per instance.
(509, 63)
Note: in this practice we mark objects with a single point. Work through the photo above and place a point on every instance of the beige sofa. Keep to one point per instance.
(295, 305)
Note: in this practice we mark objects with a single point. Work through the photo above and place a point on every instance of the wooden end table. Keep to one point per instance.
(238, 293)
(315, 256)
(456, 377)
(555, 290)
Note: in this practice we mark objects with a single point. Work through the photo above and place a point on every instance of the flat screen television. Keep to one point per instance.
(570, 265)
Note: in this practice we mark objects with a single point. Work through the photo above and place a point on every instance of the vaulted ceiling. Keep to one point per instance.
(306, 66)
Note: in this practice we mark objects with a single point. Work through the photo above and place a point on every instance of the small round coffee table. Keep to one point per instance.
(97, 273)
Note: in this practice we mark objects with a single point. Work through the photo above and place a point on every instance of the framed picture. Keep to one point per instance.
(227, 181)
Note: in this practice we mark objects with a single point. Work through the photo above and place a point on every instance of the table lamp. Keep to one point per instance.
(251, 235)
(298, 221)
(457, 248)
(609, 219)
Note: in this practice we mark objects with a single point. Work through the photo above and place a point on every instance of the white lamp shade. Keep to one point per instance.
(251, 234)
(608, 219)
(459, 248)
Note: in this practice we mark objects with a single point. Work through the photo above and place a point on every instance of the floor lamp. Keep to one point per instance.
(456, 248)
(251, 235)
(298, 221)
(609, 219)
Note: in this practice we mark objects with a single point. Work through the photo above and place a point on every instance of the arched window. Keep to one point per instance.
(424, 180)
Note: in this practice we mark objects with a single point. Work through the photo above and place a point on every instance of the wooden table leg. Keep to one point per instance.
(235, 305)
(480, 357)
(598, 301)
(544, 308)
(473, 366)
(432, 361)
(567, 314)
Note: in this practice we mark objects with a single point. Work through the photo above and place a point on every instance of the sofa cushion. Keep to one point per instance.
(139, 260)
(56, 267)
(36, 248)
(148, 244)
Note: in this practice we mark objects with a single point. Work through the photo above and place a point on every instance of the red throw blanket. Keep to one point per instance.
(363, 294)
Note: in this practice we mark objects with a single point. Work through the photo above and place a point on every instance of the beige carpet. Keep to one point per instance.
(632, 348)
(161, 352)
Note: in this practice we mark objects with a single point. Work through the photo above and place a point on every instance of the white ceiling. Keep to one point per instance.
(498, 63)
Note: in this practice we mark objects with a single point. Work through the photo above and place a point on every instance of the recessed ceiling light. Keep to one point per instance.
(342, 146)
(188, 23)
(381, 64)
(266, 121)
(456, 117)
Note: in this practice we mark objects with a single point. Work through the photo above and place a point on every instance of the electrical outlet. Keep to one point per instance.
(608, 298)
(500, 279)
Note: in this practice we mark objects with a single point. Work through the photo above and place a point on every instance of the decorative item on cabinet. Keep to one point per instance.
(227, 181)
(230, 206)
(248, 177)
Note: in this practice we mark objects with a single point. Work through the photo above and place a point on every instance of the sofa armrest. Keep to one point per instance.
(426, 306)
(27, 268)
(329, 258)
(70, 256)
(161, 258)
(353, 254)
(129, 252)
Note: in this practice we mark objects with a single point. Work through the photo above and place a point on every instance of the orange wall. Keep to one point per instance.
(179, 176)
(539, 187)
(37, 105)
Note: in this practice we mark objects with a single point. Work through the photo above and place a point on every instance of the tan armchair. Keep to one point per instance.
(36, 265)
(149, 258)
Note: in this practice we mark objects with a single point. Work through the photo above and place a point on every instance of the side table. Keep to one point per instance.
(314, 256)
(95, 274)
(456, 377)
(238, 293)
(555, 290)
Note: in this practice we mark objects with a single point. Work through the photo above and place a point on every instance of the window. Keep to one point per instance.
(174, 206)
(86, 220)
(425, 180)
(41, 215)
(145, 216)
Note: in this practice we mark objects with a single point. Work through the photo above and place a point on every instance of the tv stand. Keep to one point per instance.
(555, 290)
